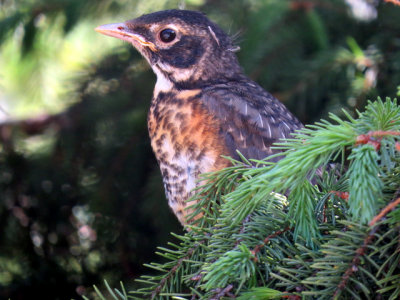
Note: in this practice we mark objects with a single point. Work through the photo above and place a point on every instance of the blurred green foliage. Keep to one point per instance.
(81, 198)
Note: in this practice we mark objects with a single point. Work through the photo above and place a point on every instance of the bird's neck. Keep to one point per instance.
(163, 84)
(166, 83)
(210, 70)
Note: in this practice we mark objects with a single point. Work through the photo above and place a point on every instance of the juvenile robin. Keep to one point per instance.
(203, 105)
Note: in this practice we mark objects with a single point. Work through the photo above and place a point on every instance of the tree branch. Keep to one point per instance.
(353, 268)
(392, 205)
(266, 240)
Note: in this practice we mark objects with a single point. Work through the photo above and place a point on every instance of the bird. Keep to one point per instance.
(203, 107)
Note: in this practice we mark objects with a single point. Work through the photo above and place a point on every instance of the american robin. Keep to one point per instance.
(203, 105)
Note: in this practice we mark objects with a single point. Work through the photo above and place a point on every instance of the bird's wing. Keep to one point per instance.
(251, 119)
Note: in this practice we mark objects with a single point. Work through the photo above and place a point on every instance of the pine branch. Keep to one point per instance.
(354, 263)
(223, 292)
(266, 240)
(253, 241)
(311, 150)
(365, 186)
(392, 205)
(173, 271)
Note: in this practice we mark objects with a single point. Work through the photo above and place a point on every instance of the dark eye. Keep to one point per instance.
(167, 35)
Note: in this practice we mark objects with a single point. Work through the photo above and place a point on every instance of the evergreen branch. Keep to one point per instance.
(365, 185)
(311, 149)
(174, 269)
(378, 116)
(382, 133)
(302, 201)
(354, 263)
(333, 189)
(263, 293)
(369, 138)
(392, 205)
(223, 292)
(266, 240)
(236, 264)
(341, 195)
(245, 245)
(242, 229)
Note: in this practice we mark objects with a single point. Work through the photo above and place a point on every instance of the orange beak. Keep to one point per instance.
(122, 32)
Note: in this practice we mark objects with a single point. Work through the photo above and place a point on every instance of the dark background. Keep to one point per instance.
(81, 198)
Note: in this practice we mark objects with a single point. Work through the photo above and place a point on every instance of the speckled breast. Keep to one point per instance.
(187, 141)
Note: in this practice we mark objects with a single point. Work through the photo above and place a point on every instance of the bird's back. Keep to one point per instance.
(251, 119)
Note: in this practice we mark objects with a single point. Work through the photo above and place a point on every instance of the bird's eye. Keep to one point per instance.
(167, 35)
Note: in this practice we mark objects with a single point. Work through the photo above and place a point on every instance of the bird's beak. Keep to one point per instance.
(122, 32)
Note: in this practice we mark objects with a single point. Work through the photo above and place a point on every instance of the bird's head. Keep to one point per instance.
(183, 47)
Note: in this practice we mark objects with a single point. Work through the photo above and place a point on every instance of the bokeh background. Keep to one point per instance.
(81, 198)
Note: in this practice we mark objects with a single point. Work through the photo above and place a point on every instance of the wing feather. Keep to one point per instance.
(251, 119)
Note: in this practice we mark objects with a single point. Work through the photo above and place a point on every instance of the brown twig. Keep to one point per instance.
(291, 297)
(266, 240)
(374, 138)
(341, 195)
(173, 271)
(382, 133)
(361, 251)
(242, 229)
(355, 262)
(223, 292)
(384, 211)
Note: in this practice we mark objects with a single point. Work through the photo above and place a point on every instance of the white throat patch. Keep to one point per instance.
(163, 84)
(182, 75)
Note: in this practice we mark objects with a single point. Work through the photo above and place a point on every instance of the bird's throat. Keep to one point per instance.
(163, 84)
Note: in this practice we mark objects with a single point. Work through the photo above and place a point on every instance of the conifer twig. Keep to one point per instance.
(384, 211)
(374, 138)
(382, 133)
(355, 262)
(173, 271)
(341, 195)
(292, 297)
(266, 240)
(242, 229)
(222, 292)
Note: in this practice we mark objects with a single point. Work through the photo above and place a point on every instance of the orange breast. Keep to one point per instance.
(187, 141)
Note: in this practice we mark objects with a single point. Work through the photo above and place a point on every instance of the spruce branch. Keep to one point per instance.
(354, 265)
(311, 149)
(374, 138)
(392, 205)
(266, 240)
(263, 293)
(365, 185)
(253, 241)
(237, 264)
(223, 292)
(172, 272)
(302, 212)
(341, 195)
(379, 116)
